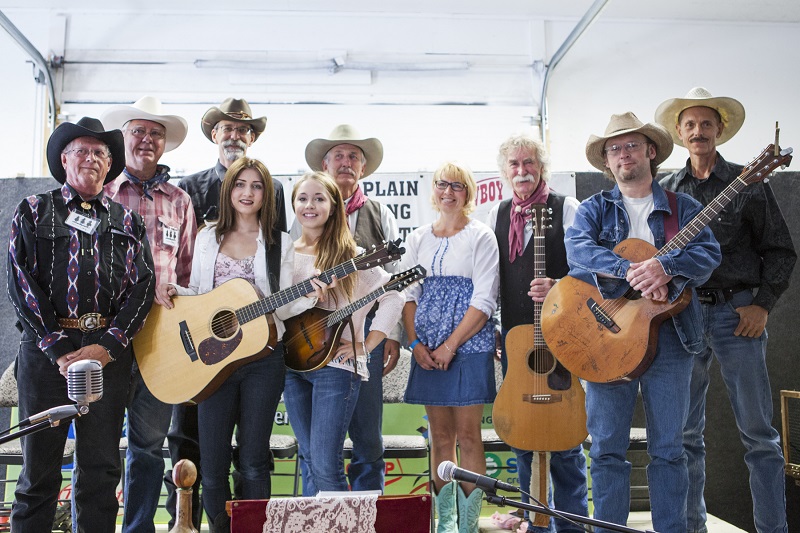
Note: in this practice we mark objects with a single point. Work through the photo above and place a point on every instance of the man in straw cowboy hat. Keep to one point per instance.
(758, 257)
(233, 129)
(80, 276)
(629, 152)
(349, 157)
(167, 211)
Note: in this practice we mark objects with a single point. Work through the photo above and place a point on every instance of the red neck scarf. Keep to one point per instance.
(356, 202)
(516, 232)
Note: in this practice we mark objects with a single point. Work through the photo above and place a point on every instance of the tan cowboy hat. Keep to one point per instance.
(731, 111)
(148, 108)
(236, 110)
(345, 134)
(66, 132)
(621, 125)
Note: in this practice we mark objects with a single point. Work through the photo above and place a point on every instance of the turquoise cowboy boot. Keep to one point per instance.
(469, 510)
(446, 509)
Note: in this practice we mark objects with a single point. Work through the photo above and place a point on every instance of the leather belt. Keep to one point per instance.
(717, 296)
(86, 323)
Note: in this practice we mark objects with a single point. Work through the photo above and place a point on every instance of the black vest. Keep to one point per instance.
(369, 230)
(516, 307)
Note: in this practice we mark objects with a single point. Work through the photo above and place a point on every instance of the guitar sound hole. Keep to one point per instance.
(224, 325)
(541, 362)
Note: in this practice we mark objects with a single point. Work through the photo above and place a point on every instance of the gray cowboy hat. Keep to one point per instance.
(236, 110)
(345, 134)
(621, 125)
(85, 127)
(730, 111)
(148, 108)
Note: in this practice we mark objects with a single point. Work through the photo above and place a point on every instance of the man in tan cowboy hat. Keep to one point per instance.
(167, 211)
(80, 276)
(758, 257)
(349, 157)
(637, 207)
(233, 129)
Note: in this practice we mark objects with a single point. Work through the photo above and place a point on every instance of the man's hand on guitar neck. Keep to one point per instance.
(649, 278)
(540, 287)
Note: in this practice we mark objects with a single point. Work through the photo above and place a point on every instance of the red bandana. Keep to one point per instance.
(516, 232)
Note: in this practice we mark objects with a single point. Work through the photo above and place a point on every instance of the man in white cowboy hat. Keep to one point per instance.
(144, 187)
(349, 157)
(637, 207)
(80, 276)
(233, 129)
(757, 262)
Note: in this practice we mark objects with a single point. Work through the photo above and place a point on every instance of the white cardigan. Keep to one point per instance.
(201, 281)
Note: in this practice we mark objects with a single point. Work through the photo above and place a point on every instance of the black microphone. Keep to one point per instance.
(448, 471)
(84, 385)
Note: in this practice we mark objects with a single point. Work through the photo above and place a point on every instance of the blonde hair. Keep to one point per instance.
(336, 244)
(454, 172)
(227, 214)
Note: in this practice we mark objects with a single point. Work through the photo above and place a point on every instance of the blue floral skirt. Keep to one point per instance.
(468, 380)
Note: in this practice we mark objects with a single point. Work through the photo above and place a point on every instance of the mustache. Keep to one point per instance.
(699, 139)
(523, 179)
(347, 170)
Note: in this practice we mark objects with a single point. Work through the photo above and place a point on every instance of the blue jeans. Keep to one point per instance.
(148, 424)
(367, 466)
(249, 398)
(97, 468)
(569, 491)
(609, 409)
(743, 365)
(320, 404)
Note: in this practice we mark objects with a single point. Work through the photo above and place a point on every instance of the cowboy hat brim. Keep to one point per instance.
(67, 131)
(215, 114)
(372, 148)
(730, 110)
(657, 134)
(119, 115)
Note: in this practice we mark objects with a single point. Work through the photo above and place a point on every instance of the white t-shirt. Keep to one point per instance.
(639, 210)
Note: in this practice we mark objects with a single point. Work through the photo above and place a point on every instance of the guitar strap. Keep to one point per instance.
(671, 221)
(274, 262)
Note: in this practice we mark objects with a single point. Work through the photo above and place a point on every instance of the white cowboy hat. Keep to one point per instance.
(345, 134)
(731, 111)
(148, 108)
(621, 125)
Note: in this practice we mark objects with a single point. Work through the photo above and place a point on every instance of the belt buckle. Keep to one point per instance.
(708, 297)
(89, 322)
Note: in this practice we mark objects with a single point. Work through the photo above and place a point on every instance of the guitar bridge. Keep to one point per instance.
(601, 316)
(541, 398)
(188, 343)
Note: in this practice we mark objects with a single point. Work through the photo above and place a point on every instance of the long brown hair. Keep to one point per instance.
(336, 245)
(227, 214)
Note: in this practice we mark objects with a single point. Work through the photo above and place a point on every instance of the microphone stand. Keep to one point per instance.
(33, 428)
(492, 497)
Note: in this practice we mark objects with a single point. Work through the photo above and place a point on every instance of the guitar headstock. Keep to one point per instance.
(379, 255)
(762, 166)
(404, 279)
(541, 218)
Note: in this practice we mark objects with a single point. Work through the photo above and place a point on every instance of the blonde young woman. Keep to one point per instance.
(235, 247)
(451, 338)
(320, 403)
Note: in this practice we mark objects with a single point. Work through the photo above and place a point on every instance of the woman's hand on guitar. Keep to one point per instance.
(321, 288)
(423, 357)
(345, 351)
(164, 294)
(649, 278)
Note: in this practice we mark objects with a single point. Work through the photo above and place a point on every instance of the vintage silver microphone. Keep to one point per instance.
(84, 385)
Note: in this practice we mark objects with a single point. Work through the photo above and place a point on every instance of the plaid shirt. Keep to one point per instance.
(55, 270)
(170, 208)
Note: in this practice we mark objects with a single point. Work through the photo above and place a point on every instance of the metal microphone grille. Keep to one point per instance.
(445, 470)
(85, 381)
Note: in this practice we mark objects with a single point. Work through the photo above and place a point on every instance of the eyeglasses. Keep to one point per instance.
(141, 133)
(227, 130)
(455, 185)
(629, 147)
(83, 153)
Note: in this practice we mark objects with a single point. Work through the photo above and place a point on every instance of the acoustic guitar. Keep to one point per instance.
(540, 405)
(312, 337)
(186, 352)
(615, 340)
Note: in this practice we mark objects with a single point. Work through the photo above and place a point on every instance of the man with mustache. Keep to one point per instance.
(525, 166)
(348, 157)
(167, 212)
(758, 257)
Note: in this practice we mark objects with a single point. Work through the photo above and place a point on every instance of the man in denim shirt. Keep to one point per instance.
(630, 152)
(758, 257)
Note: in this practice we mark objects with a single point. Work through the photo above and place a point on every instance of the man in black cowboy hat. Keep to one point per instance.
(80, 276)
(233, 129)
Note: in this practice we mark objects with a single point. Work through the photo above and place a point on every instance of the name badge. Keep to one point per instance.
(170, 235)
(82, 223)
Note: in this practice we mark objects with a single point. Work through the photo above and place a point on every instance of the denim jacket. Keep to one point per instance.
(602, 222)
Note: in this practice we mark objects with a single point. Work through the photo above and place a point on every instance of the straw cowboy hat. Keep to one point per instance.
(236, 110)
(148, 108)
(731, 111)
(85, 127)
(345, 134)
(621, 125)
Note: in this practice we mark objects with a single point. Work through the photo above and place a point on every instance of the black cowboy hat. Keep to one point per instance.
(85, 127)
